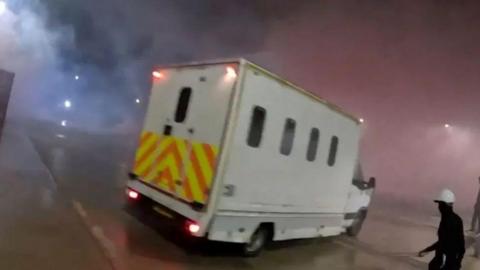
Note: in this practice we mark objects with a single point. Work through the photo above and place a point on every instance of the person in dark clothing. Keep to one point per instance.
(450, 247)
(476, 214)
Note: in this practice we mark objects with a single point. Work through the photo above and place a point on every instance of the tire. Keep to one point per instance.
(257, 242)
(356, 227)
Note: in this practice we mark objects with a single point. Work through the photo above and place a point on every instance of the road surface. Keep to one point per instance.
(62, 207)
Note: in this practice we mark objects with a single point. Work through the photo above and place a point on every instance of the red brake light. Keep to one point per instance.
(132, 194)
(193, 227)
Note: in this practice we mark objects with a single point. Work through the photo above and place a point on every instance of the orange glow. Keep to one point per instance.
(231, 73)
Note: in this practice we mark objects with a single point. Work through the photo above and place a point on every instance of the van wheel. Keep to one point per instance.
(356, 227)
(257, 242)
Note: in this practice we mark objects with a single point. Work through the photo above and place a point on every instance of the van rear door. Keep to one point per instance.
(183, 130)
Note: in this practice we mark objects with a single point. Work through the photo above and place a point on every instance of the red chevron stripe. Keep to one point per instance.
(186, 182)
(165, 152)
(198, 172)
(154, 163)
(212, 160)
(145, 155)
(167, 175)
(173, 150)
(145, 137)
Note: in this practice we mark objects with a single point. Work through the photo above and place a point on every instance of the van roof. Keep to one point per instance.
(270, 74)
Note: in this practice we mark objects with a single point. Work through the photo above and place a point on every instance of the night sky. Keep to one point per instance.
(407, 67)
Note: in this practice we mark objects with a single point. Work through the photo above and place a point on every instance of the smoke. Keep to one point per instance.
(28, 48)
(112, 46)
(26, 44)
(407, 68)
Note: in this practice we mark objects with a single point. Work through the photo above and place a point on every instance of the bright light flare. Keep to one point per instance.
(3, 7)
(231, 73)
(157, 74)
(67, 104)
(77, 77)
(446, 125)
(64, 123)
(137, 101)
(132, 194)
(361, 120)
(193, 228)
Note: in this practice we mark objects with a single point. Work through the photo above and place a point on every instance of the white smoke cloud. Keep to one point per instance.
(25, 42)
(28, 48)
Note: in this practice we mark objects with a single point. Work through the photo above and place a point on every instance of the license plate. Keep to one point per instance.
(162, 212)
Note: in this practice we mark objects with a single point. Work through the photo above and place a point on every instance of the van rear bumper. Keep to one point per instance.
(169, 204)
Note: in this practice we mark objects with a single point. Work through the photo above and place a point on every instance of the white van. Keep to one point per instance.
(244, 156)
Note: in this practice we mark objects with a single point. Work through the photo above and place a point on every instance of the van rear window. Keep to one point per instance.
(257, 123)
(182, 105)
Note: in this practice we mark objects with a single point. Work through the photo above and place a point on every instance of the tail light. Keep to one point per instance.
(157, 74)
(132, 194)
(192, 227)
(230, 73)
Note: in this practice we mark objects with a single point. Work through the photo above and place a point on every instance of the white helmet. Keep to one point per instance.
(446, 196)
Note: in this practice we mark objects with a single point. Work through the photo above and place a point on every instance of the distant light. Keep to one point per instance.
(231, 73)
(361, 120)
(61, 136)
(3, 7)
(137, 101)
(67, 104)
(447, 125)
(77, 77)
(64, 123)
(157, 74)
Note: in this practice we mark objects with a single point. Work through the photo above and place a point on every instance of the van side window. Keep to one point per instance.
(182, 105)
(313, 144)
(257, 122)
(287, 138)
(333, 151)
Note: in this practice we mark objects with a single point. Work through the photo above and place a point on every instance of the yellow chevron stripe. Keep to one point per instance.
(192, 178)
(140, 145)
(204, 164)
(183, 151)
(144, 147)
(182, 147)
(166, 142)
(215, 150)
(153, 167)
(183, 170)
(170, 163)
(143, 166)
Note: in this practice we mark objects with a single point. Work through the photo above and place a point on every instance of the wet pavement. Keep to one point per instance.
(63, 208)
(38, 230)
